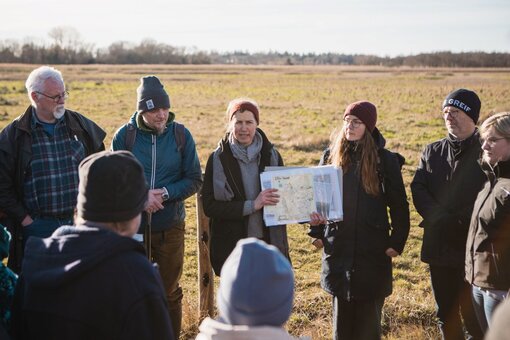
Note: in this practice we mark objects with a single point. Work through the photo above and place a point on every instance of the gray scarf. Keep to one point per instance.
(246, 154)
(248, 158)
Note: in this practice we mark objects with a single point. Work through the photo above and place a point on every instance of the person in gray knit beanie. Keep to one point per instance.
(167, 151)
(255, 295)
(151, 95)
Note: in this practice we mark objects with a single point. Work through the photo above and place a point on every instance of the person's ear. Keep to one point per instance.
(34, 96)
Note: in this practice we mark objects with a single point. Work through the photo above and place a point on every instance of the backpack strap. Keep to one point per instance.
(129, 141)
(180, 137)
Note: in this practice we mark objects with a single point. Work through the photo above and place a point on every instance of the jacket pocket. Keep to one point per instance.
(375, 240)
(335, 279)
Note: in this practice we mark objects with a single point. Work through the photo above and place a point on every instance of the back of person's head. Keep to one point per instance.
(112, 187)
(5, 239)
(36, 79)
(256, 286)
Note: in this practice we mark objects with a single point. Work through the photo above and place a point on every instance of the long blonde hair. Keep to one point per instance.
(339, 156)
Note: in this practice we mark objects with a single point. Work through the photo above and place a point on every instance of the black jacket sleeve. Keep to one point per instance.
(397, 202)
(9, 198)
(425, 203)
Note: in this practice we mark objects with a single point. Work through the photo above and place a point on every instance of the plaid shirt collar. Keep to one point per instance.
(35, 122)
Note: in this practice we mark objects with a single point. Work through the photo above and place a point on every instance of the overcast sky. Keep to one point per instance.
(381, 27)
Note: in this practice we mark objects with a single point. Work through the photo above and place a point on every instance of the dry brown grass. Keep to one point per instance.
(299, 108)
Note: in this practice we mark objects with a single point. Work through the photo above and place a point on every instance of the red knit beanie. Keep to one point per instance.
(241, 105)
(365, 111)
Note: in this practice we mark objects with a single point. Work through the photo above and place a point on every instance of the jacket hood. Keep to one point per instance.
(379, 140)
(70, 252)
(217, 330)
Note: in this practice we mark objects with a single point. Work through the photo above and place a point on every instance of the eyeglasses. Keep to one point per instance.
(491, 141)
(56, 98)
(453, 113)
(354, 122)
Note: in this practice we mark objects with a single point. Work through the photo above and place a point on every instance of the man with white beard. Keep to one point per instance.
(39, 156)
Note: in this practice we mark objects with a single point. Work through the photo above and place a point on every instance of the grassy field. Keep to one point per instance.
(300, 106)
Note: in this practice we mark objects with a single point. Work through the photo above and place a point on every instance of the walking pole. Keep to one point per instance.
(147, 236)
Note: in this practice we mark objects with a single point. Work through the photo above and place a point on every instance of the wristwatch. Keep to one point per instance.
(165, 195)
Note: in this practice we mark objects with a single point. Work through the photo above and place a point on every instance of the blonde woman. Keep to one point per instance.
(357, 252)
(488, 243)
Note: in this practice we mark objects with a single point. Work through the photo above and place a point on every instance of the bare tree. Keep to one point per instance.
(66, 37)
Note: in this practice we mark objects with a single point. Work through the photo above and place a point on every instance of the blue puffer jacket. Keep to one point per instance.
(179, 173)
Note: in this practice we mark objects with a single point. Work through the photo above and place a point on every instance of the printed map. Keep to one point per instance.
(296, 197)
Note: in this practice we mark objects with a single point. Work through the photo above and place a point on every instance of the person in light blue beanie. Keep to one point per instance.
(257, 285)
(255, 295)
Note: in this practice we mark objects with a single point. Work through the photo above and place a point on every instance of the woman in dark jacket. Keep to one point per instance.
(488, 243)
(231, 192)
(356, 262)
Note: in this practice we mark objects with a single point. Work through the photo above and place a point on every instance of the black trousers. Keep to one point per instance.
(453, 300)
(357, 320)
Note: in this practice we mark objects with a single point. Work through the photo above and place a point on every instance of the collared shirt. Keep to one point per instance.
(51, 184)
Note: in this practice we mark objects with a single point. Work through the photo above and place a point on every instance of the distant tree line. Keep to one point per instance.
(436, 59)
(67, 47)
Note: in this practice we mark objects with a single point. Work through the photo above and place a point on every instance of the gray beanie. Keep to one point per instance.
(256, 285)
(151, 95)
(112, 187)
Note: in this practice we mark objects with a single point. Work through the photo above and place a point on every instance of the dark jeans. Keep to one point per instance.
(453, 300)
(168, 252)
(357, 320)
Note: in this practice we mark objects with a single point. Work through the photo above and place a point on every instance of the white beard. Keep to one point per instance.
(59, 112)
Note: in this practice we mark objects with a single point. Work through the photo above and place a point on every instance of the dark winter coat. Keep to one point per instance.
(354, 263)
(89, 283)
(444, 190)
(15, 158)
(227, 223)
(16, 154)
(488, 244)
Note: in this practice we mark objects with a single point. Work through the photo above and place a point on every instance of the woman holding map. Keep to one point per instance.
(357, 252)
(231, 193)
